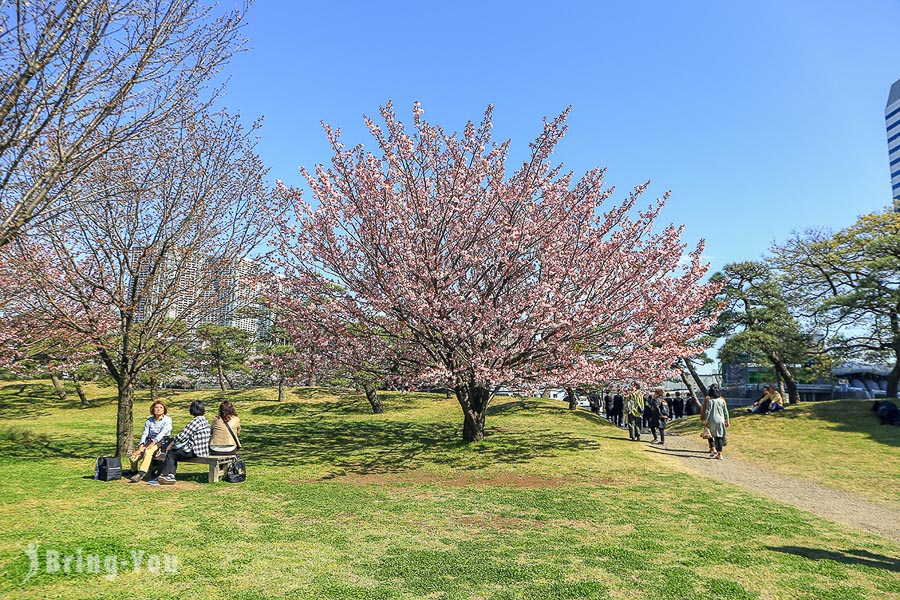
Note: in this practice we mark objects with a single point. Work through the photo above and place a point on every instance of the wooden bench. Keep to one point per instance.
(218, 464)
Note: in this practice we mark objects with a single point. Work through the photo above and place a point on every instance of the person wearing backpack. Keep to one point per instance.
(634, 412)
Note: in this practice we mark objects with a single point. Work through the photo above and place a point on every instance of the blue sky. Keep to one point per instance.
(761, 117)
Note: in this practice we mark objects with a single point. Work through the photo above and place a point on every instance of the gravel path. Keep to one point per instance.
(836, 505)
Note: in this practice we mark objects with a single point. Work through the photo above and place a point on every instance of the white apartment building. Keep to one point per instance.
(198, 290)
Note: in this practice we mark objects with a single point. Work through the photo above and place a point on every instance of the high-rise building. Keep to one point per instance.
(198, 289)
(892, 122)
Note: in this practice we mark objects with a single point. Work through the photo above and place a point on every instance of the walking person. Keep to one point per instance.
(648, 410)
(634, 411)
(660, 414)
(608, 406)
(678, 406)
(618, 408)
(715, 417)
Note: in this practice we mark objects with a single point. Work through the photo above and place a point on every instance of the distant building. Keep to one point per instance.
(892, 123)
(199, 290)
(234, 295)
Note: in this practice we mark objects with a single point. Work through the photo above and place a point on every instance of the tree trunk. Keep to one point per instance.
(281, 389)
(221, 374)
(374, 400)
(894, 375)
(60, 388)
(696, 377)
(893, 379)
(311, 379)
(785, 373)
(228, 380)
(125, 417)
(573, 402)
(474, 401)
(153, 384)
(79, 390)
(690, 390)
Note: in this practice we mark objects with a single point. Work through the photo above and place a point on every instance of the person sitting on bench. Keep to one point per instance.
(193, 441)
(226, 430)
(158, 426)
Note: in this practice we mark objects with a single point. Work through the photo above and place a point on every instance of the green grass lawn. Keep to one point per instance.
(340, 503)
(838, 444)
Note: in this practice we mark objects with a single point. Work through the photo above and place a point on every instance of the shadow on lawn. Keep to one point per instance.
(396, 446)
(18, 442)
(847, 557)
(37, 399)
(853, 416)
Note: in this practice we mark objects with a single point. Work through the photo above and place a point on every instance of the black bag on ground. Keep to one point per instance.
(108, 468)
(236, 472)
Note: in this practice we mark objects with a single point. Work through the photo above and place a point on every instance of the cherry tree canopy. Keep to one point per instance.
(487, 278)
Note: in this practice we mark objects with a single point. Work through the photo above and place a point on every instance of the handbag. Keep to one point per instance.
(705, 434)
(236, 472)
(160, 453)
(108, 468)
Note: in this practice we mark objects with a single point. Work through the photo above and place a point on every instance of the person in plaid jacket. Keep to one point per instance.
(193, 441)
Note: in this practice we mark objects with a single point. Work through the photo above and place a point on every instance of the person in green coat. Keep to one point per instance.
(716, 418)
(634, 410)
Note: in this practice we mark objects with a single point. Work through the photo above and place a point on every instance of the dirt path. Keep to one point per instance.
(836, 505)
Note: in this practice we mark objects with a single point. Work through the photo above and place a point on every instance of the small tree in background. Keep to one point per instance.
(486, 278)
(758, 324)
(218, 349)
(845, 287)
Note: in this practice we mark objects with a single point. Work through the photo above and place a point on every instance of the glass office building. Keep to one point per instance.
(892, 122)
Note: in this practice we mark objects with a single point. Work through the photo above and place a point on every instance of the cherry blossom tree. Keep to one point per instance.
(143, 264)
(489, 278)
(334, 344)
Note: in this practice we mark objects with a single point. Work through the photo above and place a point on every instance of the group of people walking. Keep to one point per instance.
(639, 412)
(197, 439)
(612, 406)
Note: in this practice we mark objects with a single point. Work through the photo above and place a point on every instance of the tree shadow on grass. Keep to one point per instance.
(396, 446)
(847, 557)
(511, 406)
(854, 416)
(19, 442)
(38, 399)
(357, 406)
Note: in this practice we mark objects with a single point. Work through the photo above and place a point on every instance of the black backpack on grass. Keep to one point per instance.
(236, 472)
(108, 468)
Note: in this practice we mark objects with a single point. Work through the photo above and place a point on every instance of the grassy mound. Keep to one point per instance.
(838, 444)
(340, 503)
